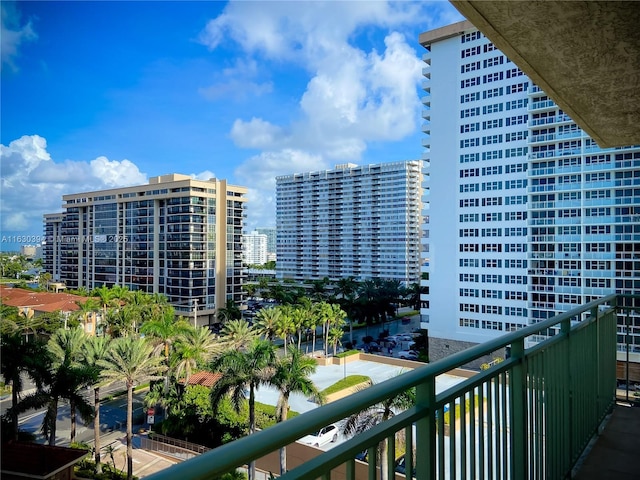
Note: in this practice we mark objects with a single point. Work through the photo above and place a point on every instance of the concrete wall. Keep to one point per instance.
(442, 347)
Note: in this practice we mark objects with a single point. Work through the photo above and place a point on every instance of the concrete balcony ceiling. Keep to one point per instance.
(584, 54)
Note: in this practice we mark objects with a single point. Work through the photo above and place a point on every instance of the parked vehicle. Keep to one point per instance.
(328, 434)
(407, 355)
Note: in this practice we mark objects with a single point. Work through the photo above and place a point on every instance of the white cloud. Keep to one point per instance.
(354, 94)
(236, 82)
(12, 35)
(259, 174)
(33, 183)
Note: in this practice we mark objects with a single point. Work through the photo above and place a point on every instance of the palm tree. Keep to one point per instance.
(87, 308)
(291, 375)
(105, 296)
(237, 334)
(131, 360)
(66, 347)
(196, 347)
(266, 322)
(96, 349)
(18, 357)
(284, 325)
(243, 369)
(64, 378)
(375, 414)
(165, 329)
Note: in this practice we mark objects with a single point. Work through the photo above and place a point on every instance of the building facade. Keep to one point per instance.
(528, 217)
(271, 234)
(176, 236)
(352, 221)
(254, 248)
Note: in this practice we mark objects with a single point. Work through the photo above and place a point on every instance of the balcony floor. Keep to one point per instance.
(614, 454)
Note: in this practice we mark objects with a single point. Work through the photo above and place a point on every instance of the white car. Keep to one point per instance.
(407, 355)
(328, 434)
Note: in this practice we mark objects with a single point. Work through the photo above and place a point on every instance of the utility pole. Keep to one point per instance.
(195, 313)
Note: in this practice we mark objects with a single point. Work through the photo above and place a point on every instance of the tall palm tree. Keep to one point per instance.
(63, 378)
(291, 375)
(194, 348)
(266, 321)
(19, 357)
(375, 414)
(131, 360)
(105, 297)
(86, 309)
(284, 325)
(237, 334)
(243, 369)
(67, 350)
(95, 350)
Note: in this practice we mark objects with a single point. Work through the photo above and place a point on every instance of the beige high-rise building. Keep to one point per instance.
(175, 236)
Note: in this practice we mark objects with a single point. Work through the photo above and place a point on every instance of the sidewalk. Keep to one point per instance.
(145, 462)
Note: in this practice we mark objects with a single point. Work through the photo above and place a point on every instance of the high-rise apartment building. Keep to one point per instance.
(352, 221)
(254, 248)
(271, 234)
(176, 236)
(528, 217)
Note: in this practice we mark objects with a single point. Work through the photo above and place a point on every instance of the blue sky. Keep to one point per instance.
(105, 94)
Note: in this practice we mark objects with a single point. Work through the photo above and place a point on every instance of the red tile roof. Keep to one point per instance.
(40, 301)
(206, 379)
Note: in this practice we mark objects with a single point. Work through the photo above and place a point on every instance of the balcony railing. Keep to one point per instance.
(530, 416)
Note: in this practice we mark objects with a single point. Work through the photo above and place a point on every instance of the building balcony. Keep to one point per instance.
(529, 416)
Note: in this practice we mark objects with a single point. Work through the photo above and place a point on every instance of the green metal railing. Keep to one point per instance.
(530, 416)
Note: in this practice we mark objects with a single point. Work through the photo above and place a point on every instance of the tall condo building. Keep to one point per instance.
(254, 248)
(352, 221)
(528, 217)
(176, 236)
(270, 232)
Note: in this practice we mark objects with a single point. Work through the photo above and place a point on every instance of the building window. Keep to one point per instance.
(493, 92)
(489, 47)
(492, 155)
(470, 112)
(492, 309)
(493, 170)
(468, 52)
(492, 62)
(517, 104)
(494, 108)
(468, 37)
(470, 97)
(469, 142)
(516, 167)
(511, 184)
(492, 217)
(492, 77)
(470, 67)
(495, 123)
(514, 72)
(492, 294)
(469, 82)
(515, 136)
(491, 201)
(488, 186)
(491, 325)
(470, 127)
(517, 87)
(468, 187)
(491, 232)
(467, 322)
(517, 120)
(469, 157)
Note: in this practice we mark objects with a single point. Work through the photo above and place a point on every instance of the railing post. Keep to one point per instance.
(426, 431)
(518, 412)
